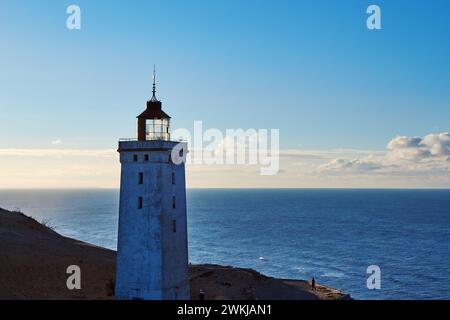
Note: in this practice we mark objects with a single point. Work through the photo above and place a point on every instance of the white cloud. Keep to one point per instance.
(417, 148)
(400, 142)
(352, 164)
(438, 144)
(56, 142)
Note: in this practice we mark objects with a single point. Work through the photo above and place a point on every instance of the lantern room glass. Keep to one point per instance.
(157, 129)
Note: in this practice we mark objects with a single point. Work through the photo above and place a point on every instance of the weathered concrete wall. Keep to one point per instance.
(175, 243)
(152, 254)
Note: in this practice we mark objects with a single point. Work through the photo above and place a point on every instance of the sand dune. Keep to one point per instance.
(34, 259)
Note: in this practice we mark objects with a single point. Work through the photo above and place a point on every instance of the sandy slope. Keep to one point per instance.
(34, 258)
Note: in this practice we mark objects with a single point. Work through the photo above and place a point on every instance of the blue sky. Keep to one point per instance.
(310, 68)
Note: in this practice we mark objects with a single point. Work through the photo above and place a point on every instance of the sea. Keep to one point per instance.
(333, 235)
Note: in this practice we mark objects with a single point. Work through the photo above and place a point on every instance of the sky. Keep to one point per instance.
(354, 107)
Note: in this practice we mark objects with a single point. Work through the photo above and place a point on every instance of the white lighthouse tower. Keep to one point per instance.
(152, 252)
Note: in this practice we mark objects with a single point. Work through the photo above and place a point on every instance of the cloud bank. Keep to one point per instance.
(411, 158)
(406, 162)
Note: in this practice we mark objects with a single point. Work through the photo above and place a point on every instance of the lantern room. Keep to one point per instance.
(153, 123)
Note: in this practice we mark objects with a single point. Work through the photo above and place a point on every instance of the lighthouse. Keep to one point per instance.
(152, 251)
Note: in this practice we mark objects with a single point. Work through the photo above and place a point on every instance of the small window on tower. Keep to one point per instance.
(141, 177)
(135, 157)
(140, 203)
(173, 203)
(146, 157)
(174, 225)
(173, 177)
